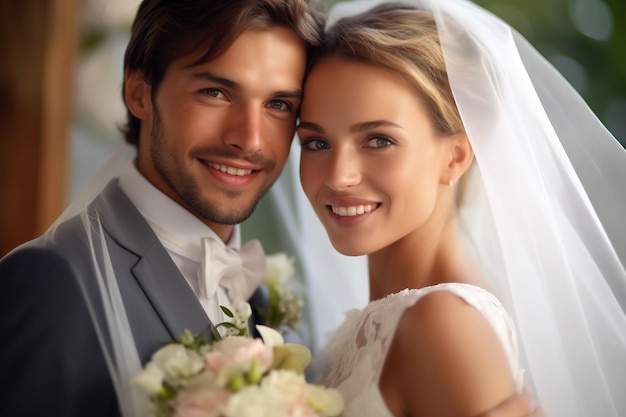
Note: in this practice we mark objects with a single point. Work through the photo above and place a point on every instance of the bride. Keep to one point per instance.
(435, 140)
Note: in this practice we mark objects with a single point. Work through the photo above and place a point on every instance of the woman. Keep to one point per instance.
(434, 140)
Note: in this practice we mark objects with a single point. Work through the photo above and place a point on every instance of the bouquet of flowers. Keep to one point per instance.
(235, 376)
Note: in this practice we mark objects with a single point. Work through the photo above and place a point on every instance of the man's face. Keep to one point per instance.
(216, 135)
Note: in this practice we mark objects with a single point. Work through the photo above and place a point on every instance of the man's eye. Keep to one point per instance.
(213, 92)
(279, 105)
(379, 142)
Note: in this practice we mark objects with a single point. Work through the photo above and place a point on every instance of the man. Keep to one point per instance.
(212, 90)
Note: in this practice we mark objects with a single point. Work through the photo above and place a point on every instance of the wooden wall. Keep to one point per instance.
(38, 45)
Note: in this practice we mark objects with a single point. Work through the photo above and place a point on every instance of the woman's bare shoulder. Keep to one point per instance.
(447, 359)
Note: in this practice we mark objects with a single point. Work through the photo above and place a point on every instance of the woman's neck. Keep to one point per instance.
(420, 260)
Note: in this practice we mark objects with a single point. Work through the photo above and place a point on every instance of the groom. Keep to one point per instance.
(212, 89)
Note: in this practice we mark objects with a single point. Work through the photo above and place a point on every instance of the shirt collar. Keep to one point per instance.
(177, 228)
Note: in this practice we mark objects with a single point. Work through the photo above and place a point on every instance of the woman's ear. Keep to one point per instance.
(137, 94)
(461, 157)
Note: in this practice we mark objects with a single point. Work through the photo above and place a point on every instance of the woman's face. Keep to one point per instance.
(371, 164)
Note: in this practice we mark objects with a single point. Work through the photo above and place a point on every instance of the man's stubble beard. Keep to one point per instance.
(186, 187)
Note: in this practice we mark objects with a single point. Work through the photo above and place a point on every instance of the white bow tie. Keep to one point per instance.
(239, 272)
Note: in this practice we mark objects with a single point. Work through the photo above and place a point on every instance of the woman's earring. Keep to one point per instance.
(451, 182)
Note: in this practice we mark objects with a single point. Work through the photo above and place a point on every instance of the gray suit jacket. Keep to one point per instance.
(51, 362)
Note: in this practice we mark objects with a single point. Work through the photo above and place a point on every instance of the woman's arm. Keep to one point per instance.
(518, 405)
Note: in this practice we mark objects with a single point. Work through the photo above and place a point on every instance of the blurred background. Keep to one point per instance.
(61, 74)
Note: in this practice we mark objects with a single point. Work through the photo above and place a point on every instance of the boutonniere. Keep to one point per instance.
(284, 310)
(235, 376)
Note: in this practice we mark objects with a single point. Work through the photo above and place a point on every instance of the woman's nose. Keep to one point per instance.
(343, 171)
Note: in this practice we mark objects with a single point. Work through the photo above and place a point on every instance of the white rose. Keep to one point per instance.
(242, 313)
(279, 269)
(150, 379)
(177, 363)
(326, 401)
(290, 385)
(253, 401)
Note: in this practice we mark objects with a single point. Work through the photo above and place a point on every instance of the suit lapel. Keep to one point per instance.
(169, 293)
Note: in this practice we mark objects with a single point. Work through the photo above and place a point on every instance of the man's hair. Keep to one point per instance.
(166, 30)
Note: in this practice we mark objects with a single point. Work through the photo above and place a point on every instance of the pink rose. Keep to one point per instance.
(233, 356)
(202, 398)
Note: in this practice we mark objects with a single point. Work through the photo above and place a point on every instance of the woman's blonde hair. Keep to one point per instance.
(404, 40)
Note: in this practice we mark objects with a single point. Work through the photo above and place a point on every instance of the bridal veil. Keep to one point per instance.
(542, 213)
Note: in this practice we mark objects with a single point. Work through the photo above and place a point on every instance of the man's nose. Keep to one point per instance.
(244, 132)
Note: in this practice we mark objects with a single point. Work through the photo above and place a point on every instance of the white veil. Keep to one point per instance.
(542, 212)
(112, 326)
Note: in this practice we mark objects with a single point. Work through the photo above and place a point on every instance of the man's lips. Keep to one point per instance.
(230, 170)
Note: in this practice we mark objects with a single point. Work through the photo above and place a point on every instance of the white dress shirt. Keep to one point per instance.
(179, 231)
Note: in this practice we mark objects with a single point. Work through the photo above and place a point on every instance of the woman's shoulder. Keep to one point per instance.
(391, 308)
(459, 312)
(457, 292)
(440, 313)
(446, 342)
(447, 309)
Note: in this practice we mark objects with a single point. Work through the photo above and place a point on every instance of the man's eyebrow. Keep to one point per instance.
(357, 127)
(207, 76)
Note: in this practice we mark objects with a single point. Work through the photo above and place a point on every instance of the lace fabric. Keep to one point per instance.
(354, 358)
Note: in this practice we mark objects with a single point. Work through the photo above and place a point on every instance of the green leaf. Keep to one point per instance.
(236, 383)
(255, 373)
(216, 335)
(227, 325)
(227, 312)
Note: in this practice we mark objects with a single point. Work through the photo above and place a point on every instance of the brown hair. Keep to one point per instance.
(166, 30)
(404, 40)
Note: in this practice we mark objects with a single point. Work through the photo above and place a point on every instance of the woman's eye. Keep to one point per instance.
(379, 142)
(315, 145)
(279, 105)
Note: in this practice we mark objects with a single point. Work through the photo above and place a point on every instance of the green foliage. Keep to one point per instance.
(550, 26)
(235, 329)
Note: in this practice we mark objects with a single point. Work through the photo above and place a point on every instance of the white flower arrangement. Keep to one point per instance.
(235, 376)
(285, 307)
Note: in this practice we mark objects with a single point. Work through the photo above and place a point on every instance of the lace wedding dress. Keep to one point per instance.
(354, 357)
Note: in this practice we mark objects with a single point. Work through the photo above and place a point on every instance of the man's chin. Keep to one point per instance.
(221, 208)
(228, 216)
